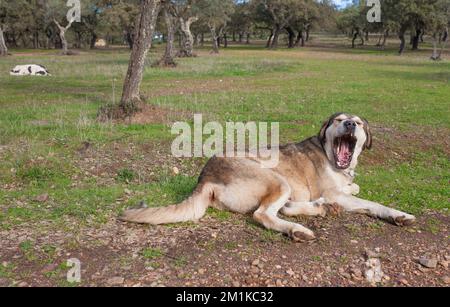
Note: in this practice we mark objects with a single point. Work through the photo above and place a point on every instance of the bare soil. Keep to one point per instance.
(235, 252)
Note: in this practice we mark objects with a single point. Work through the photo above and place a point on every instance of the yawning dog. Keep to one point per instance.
(312, 178)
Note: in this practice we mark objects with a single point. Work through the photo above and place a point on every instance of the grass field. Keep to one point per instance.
(61, 170)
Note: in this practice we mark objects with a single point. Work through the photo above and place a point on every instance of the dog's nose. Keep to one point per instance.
(350, 125)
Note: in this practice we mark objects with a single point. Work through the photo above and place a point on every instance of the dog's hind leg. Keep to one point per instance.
(266, 214)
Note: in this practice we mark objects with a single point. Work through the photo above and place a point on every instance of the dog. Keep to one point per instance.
(314, 178)
(29, 70)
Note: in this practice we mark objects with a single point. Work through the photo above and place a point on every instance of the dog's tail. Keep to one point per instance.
(192, 209)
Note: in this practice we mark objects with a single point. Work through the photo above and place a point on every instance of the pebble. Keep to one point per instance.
(430, 263)
(42, 198)
(255, 262)
(290, 272)
(446, 280)
(115, 281)
(175, 170)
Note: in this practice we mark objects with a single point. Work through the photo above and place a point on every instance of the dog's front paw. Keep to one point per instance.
(405, 220)
(302, 235)
(355, 189)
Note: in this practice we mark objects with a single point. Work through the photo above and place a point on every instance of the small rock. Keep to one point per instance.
(373, 274)
(404, 282)
(128, 192)
(236, 284)
(114, 281)
(430, 263)
(255, 262)
(175, 170)
(279, 283)
(357, 273)
(49, 268)
(278, 267)
(254, 270)
(22, 284)
(446, 280)
(353, 241)
(290, 272)
(42, 198)
(444, 264)
(201, 271)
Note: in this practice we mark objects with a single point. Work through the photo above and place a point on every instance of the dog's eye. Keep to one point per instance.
(339, 120)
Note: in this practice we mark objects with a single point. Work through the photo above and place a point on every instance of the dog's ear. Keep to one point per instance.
(325, 126)
(368, 143)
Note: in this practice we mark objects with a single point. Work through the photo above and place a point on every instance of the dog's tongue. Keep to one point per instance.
(344, 152)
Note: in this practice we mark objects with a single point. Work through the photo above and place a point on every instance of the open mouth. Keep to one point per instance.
(343, 149)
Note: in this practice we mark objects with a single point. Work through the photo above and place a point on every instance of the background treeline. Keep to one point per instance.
(188, 23)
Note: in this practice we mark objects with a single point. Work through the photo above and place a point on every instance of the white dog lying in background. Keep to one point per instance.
(29, 70)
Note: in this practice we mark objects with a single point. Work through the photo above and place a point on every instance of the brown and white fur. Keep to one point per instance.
(312, 178)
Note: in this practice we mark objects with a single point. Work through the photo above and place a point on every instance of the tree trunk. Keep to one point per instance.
(202, 39)
(225, 40)
(300, 41)
(62, 36)
(401, 36)
(437, 55)
(276, 35)
(214, 38)
(416, 40)
(167, 59)
(93, 41)
(129, 38)
(269, 40)
(355, 36)
(145, 26)
(291, 37)
(307, 33)
(36, 40)
(196, 39)
(234, 36)
(241, 37)
(247, 40)
(434, 55)
(3, 48)
(385, 36)
(187, 41)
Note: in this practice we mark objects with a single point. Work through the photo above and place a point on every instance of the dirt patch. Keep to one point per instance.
(232, 252)
(151, 114)
(391, 145)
